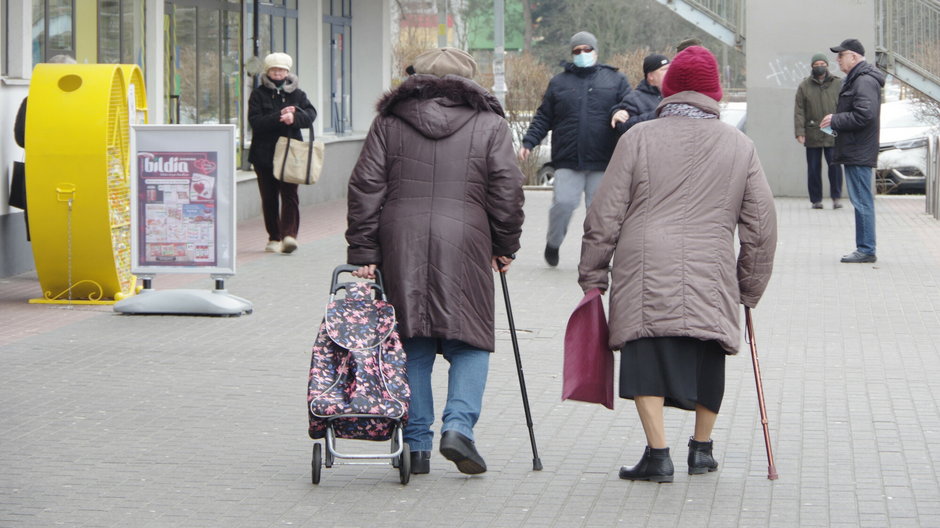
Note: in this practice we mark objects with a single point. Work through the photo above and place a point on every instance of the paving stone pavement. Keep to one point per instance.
(111, 420)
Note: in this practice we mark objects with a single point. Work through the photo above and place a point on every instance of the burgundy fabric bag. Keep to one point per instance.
(588, 374)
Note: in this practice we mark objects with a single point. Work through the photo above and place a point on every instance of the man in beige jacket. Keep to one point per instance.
(675, 191)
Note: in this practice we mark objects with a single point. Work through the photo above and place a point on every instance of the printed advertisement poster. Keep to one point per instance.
(178, 207)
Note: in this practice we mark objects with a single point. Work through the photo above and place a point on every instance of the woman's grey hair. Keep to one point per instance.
(61, 59)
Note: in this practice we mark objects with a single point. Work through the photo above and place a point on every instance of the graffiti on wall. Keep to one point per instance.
(786, 72)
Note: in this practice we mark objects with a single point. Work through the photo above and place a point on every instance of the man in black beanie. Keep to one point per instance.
(576, 109)
(640, 104)
(816, 97)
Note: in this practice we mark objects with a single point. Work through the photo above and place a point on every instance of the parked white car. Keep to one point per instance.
(735, 114)
(902, 156)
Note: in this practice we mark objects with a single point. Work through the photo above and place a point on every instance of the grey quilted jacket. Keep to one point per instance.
(666, 212)
(436, 194)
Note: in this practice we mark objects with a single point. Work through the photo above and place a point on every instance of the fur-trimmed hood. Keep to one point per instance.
(437, 106)
(291, 83)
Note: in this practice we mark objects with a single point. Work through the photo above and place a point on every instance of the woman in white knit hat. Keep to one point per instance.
(276, 108)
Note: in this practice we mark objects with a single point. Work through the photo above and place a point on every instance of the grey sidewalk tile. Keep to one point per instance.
(200, 421)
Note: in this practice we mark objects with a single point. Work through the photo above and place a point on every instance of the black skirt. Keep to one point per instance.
(683, 370)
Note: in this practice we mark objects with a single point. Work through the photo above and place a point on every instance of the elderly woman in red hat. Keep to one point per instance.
(675, 191)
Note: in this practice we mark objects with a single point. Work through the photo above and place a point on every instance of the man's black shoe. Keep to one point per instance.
(420, 462)
(551, 255)
(460, 450)
(859, 257)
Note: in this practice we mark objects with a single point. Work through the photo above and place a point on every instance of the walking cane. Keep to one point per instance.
(771, 468)
(536, 462)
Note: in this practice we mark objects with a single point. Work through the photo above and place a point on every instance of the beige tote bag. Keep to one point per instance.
(297, 161)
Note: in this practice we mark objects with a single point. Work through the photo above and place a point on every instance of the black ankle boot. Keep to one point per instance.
(655, 466)
(420, 462)
(700, 457)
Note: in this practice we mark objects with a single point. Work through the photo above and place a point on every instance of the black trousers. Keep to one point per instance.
(279, 204)
(814, 174)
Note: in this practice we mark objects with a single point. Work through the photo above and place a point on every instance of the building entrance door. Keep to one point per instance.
(202, 58)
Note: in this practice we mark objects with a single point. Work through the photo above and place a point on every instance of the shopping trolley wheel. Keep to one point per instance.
(404, 464)
(315, 465)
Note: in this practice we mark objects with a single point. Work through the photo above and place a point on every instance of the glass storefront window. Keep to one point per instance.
(5, 57)
(109, 31)
(209, 67)
(231, 71)
(203, 61)
(53, 29)
(277, 31)
(337, 59)
(184, 63)
(121, 32)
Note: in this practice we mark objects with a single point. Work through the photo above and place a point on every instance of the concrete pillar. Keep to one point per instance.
(781, 40)
(154, 74)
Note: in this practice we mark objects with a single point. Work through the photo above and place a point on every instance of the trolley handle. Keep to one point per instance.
(335, 285)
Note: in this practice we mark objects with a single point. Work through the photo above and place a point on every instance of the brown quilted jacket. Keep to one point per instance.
(435, 194)
(673, 195)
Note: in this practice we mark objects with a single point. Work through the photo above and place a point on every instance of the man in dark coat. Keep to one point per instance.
(435, 201)
(576, 108)
(640, 104)
(19, 135)
(816, 97)
(857, 124)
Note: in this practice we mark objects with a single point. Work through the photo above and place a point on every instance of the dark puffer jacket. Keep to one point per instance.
(640, 104)
(264, 116)
(858, 117)
(435, 194)
(576, 108)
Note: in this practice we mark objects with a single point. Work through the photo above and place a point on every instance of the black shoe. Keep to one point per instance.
(460, 450)
(655, 466)
(551, 255)
(420, 462)
(817, 205)
(858, 257)
(700, 457)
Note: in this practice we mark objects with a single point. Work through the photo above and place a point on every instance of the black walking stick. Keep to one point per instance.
(536, 462)
(771, 468)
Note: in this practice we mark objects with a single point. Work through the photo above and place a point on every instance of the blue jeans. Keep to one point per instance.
(814, 157)
(567, 189)
(466, 380)
(858, 180)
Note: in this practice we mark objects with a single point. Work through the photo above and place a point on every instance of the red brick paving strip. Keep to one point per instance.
(19, 319)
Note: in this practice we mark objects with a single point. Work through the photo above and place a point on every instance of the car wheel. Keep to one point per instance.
(545, 176)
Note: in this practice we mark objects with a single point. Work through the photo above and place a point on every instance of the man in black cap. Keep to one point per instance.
(576, 108)
(640, 104)
(856, 126)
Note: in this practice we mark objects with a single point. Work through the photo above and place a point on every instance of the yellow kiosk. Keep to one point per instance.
(78, 186)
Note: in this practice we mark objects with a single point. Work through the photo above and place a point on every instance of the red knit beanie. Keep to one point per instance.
(695, 69)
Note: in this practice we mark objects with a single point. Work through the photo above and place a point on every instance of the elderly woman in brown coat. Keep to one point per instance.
(435, 201)
(676, 189)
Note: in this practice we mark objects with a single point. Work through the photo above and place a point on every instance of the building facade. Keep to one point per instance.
(199, 59)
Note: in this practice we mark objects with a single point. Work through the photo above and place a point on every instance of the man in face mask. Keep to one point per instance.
(815, 98)
(576, 108)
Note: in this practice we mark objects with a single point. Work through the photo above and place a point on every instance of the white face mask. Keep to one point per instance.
(585, 59)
